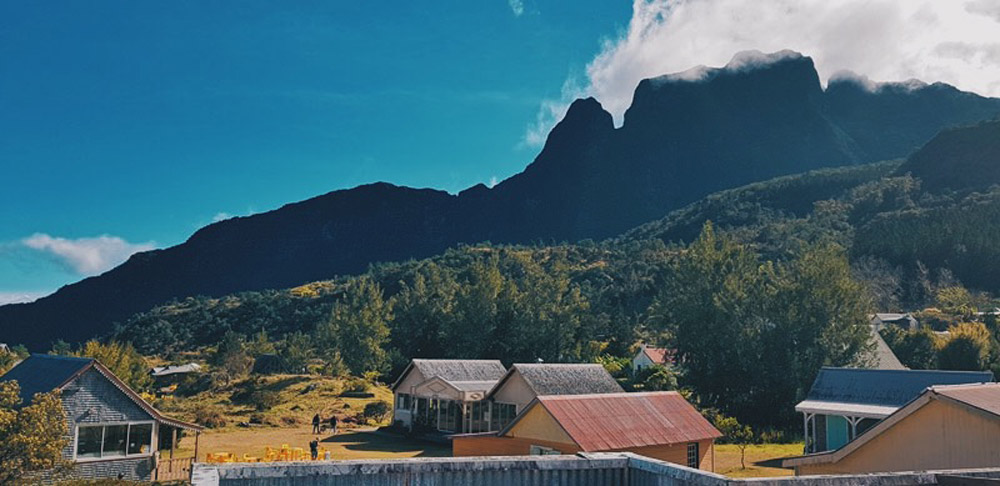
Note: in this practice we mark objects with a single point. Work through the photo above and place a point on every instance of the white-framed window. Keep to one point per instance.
(113, 440)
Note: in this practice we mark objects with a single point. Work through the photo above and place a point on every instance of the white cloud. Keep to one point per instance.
(221, 216)
(516, 6)
(20, 297)
(86, 256)
(886, 40)
(493, 182)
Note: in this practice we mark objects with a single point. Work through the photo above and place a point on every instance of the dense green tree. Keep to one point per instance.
(358, 328)
(231, 357)
(967, 348)
(916, 349)
(122, 359)
(752, 335)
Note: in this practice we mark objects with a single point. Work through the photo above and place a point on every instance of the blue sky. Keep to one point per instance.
(127, 125)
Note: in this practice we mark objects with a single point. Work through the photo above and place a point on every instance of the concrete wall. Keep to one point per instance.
(939, 434)
(615, 469)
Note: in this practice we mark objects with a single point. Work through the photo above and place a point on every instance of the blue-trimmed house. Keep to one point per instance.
(845, 402)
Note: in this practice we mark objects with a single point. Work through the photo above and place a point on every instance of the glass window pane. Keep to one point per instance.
(139, 438)
(114, 440)
(88, 442)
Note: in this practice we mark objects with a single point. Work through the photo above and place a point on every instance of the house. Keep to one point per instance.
(945, 427)
(649, 356)
(845, 402)
(526, 381)
(113, 432)
(883, 319)
(160, 372)
(661, 425)
(445, 394)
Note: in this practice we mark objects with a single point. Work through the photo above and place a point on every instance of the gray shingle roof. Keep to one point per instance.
(892, 388)
(42, 373)
(567, 379)
(455, 369)
(885, 359)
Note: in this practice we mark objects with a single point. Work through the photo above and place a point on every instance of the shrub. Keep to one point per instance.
(264, 399)
(209, 416)
(377, 410)
(357, 385)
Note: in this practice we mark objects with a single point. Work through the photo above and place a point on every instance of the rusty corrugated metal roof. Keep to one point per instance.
(618, 421)
(984, 396)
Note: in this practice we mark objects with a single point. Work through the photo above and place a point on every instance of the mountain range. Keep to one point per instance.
(684, 136)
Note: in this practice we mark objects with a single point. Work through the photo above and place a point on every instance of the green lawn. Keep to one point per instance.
(727, 459)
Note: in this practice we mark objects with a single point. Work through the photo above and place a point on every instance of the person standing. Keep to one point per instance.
(316, 421)
(333, 424)
(314, 448)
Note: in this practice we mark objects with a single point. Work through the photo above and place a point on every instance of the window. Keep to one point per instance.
(404, 401)
(113, 440)
(503, 413)
(139, 438)
(88, 442)
(692, 455)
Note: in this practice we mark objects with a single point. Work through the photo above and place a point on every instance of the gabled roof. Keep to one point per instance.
(454, 370)
(175, 369)
(882, 388)
(885, 359)
(617, 421)
(981, 397)
(42, 373)
(658, 355)
(984, 397)
(562, 378)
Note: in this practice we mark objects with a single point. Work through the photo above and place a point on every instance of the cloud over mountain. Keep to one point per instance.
(86, 256)
(886, 40)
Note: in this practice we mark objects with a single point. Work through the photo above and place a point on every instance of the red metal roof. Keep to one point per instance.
(984, 396)
(659, 355)
(617, 421)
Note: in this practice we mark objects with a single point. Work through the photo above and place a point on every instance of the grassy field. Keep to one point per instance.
(298, 398)
(727, 459)
(350, 444)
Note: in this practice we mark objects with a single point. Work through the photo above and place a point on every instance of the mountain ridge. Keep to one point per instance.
(680, 140)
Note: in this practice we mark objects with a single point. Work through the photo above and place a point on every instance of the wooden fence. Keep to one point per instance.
(174, 469)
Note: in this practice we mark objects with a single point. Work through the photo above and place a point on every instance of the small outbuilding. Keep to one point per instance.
(845, 402)
(904, 321)
(648, 356)
(113, 432)
(945, 427)
(661, 425)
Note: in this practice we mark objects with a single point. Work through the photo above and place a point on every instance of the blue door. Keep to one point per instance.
(836, 432)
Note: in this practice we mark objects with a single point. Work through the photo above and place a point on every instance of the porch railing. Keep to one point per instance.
(174, 469)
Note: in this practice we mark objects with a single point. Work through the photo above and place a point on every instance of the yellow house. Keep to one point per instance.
(946, 427)
(661, 425)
